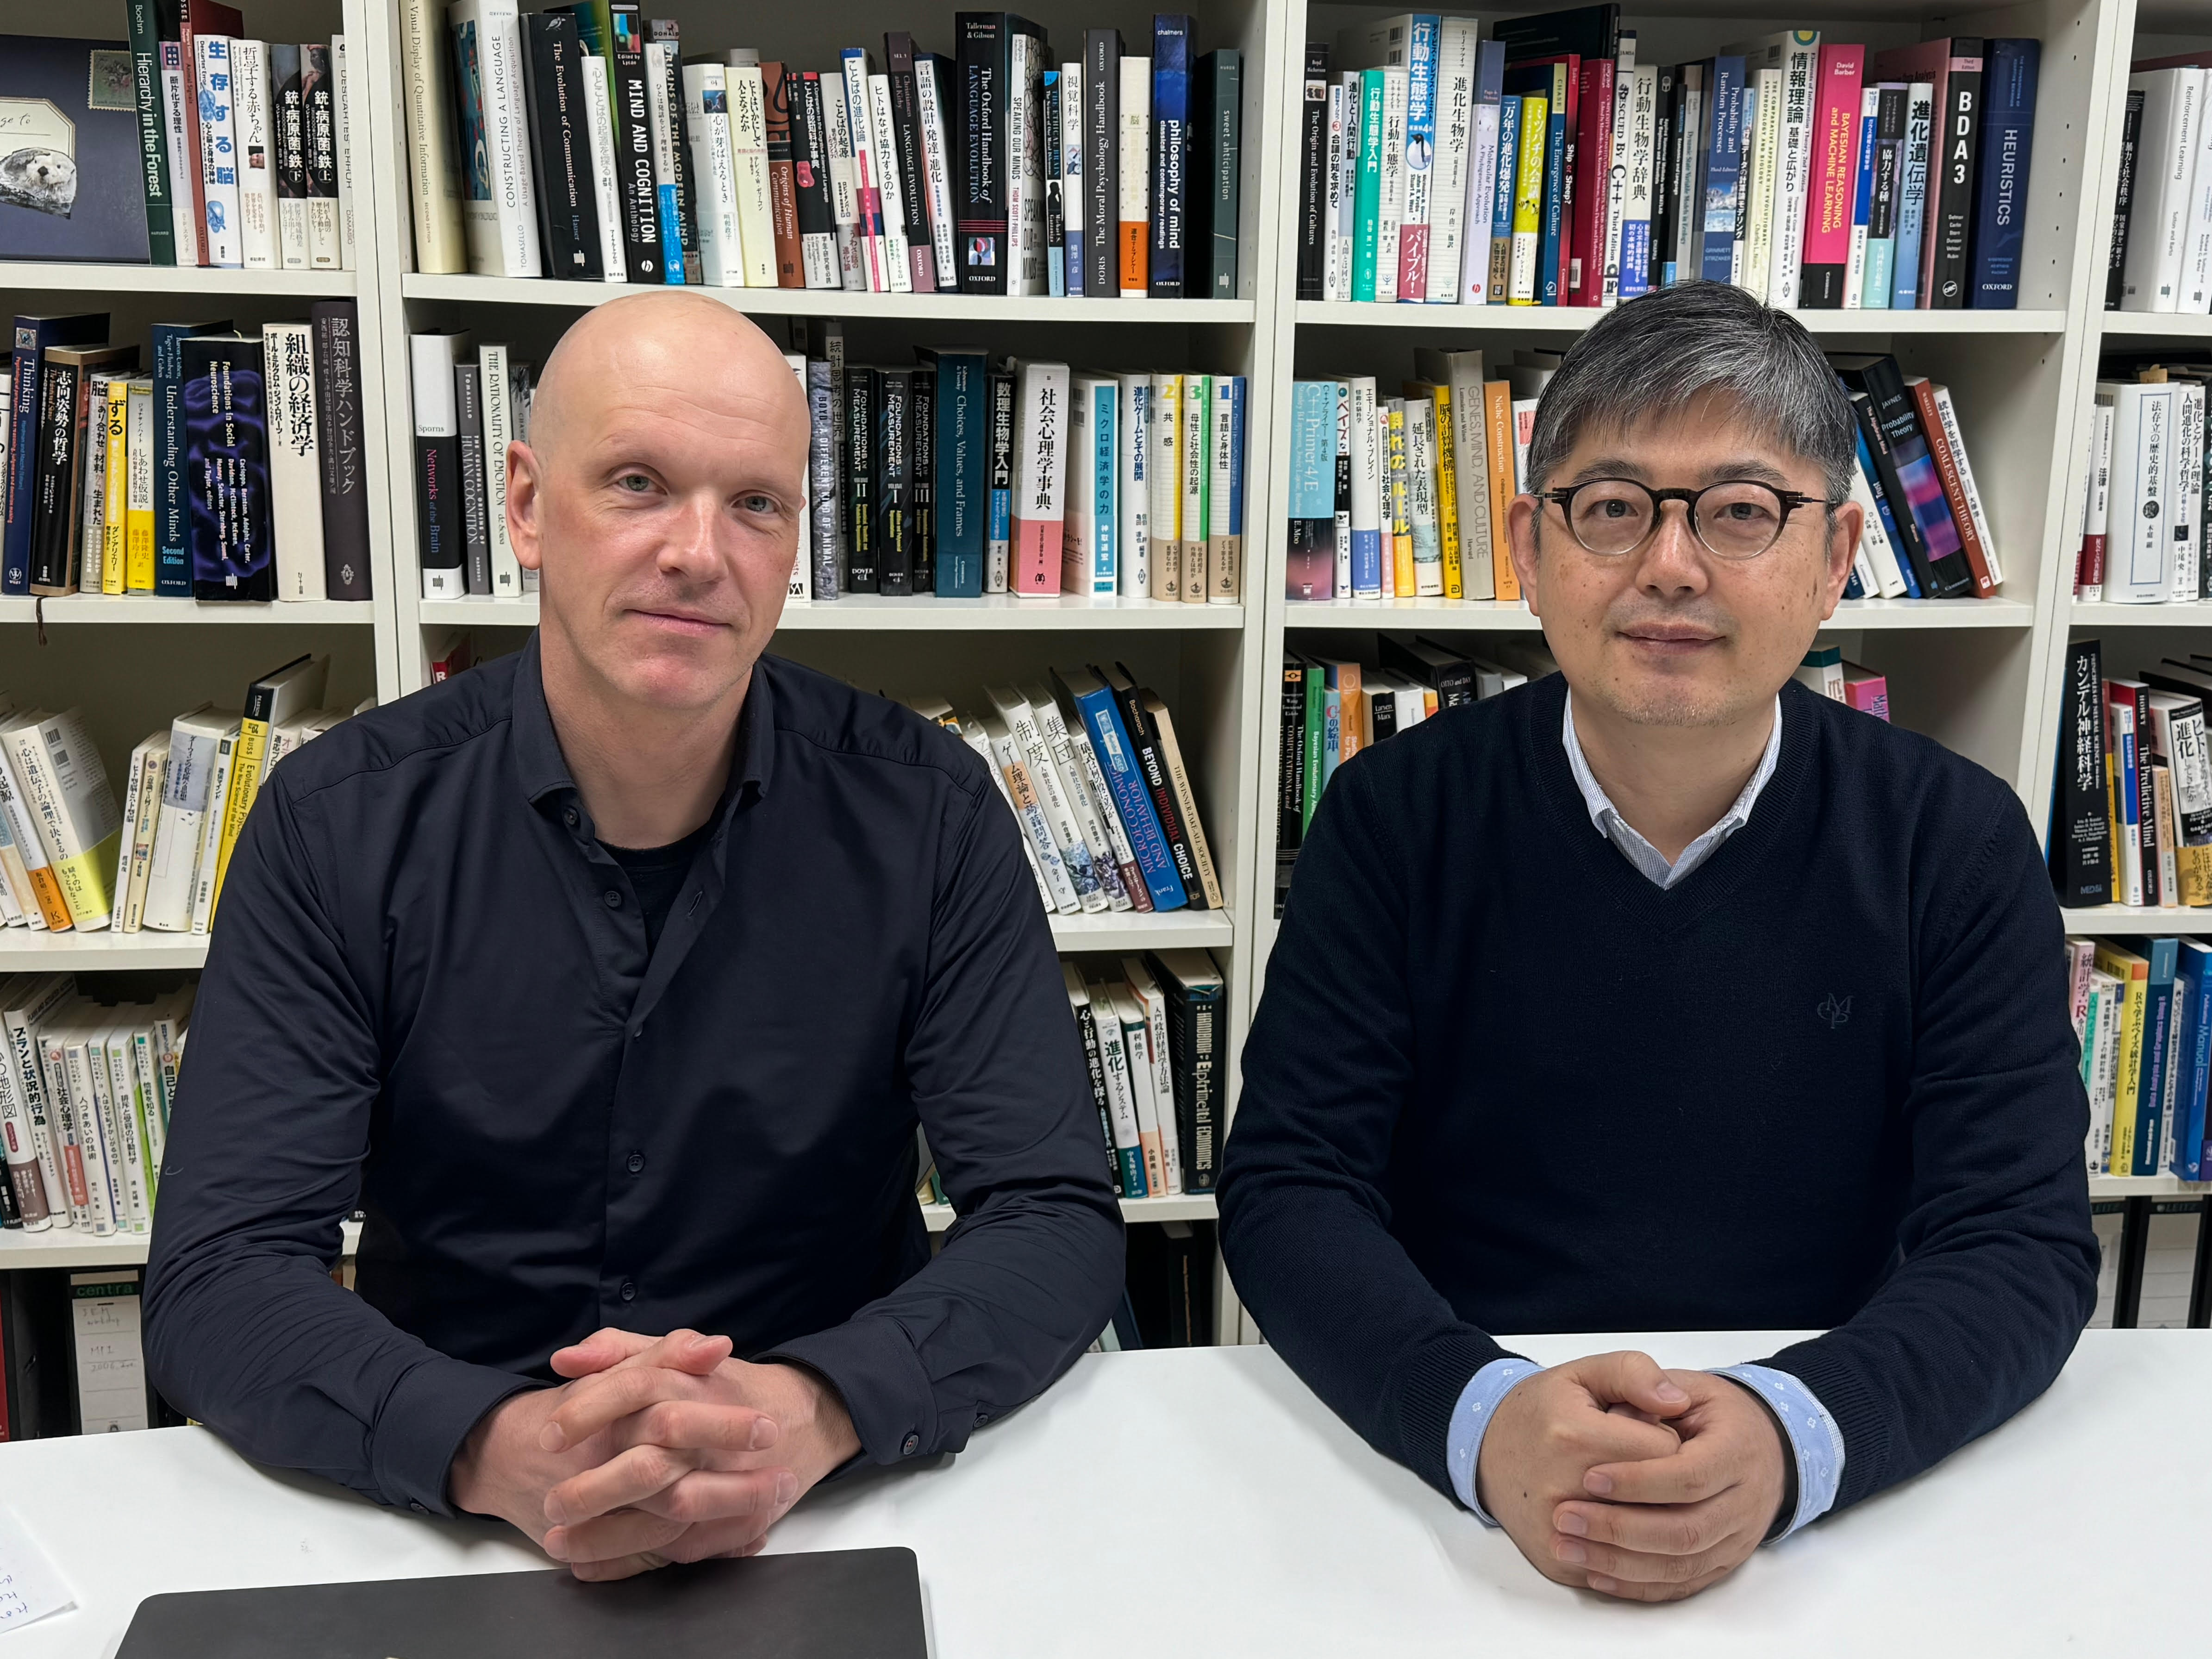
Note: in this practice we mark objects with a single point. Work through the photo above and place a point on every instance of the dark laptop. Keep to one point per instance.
(835, 1604)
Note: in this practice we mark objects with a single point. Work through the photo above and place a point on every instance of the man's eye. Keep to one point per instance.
(636, 483)
(766, 504)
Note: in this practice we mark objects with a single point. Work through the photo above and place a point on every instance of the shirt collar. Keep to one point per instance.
(1600, 807)
(545, 771)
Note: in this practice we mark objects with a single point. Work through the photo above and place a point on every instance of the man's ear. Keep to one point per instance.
(1521, 543)
(524, 499)
(1845, 528)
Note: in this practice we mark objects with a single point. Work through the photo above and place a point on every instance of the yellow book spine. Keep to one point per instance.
(112, 536)
(46, 893)
(1401, 526)
(1497, 429)
(1448, 493)
(2133, 975)
(87, 880)
(1528, 201)
(138, 502)
(245, 786)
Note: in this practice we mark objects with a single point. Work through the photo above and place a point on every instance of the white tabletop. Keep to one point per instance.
(1202, 1502)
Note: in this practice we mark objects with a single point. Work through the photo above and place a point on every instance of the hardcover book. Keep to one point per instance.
(72, 182)
(227, 469)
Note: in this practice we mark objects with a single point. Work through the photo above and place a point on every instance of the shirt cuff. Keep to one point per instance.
(1815, 1441)
(887, 1394)
(1470, 1420)
(424, 1420)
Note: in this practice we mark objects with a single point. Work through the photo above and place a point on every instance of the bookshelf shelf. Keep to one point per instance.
(93, 609)
(32, 274)
(1573, 320)
(1187, 1206)
(829, 302)
(2155, 324)
(1503, 615)
(2136, 919)
(22, 951)
(992, 613)
(2104, 614)
(2161, 1186)
(1131, 930)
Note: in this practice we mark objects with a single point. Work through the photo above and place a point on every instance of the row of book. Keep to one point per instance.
(959, 476)
(188, 144)
(2131, 796)
(2160, 258)
(1152, 1038)
(85, 1087)
(2144, 502)
(1397, 498)
(1546, 166)
(581, 143)
(1094, 773)
(232, 469)
(2143, 1016)
(72, 856)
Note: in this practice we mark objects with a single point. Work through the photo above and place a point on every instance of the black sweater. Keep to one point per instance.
(1499, 1081)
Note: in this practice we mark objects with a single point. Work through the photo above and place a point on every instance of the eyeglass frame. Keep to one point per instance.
(1791, 500)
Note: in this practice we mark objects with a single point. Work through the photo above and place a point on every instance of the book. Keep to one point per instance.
(1102, 91)
(476, 530)
(324, 151)
(1949, 476)
(68, 433)
(1170, 153)
(431, 358)
(904, 161)
(553, 70)
(880, 163)
(275, 699)
(433, 169)
(499, 209)
(724, 259)
(1128, 781)
(1040, 464)
(1159, 765)
(1493, 161)
(2131, 140)
(295, 471)
(933, 106)
(671, 156)
(75, 178)
(1224, 575)
(2000, 201)
(1313, 166)
(1953, 68)
(34, 336)
(983, 207)
(1909, 471)
(1088, 546)
(254, 128)
(1134, 175)
(606, 183)
(71, 805)
(340, 453)
(644, 240)
(288, 146)
(1210, 267)
(1312, 564)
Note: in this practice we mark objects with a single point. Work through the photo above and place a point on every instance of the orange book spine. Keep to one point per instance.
(1946, 472)
(1497, 432)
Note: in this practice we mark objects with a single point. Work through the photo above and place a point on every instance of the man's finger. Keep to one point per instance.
(712, 1495)
(627, 1566)
(1590, 1437)
(1703, 1466)
(1632, 1378)
(604, 1350)
(735, 1432)
(1653, 1528)
(710, 1540)
(610, 1537)
(594, 1402)
(625, 1478)
(1632, 1566)
(1631, 1590)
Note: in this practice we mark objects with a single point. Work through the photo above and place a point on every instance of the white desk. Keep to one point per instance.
(1203, 1502)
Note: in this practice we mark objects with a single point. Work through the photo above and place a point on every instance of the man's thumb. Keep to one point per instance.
(1631, 1378)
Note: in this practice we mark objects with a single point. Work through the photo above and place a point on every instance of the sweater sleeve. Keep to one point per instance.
(1997, 1269)
(1305, 1223)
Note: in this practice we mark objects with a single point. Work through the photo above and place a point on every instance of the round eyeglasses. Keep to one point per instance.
(1739, 518)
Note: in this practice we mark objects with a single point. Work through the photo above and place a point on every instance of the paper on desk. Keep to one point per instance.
(30, 1588)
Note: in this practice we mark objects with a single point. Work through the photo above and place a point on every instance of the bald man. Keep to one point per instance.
(611, 980)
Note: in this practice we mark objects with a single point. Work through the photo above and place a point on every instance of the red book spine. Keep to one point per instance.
(1593, 159)
(1833, 184)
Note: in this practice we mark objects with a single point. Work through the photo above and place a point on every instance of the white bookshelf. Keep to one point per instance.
(1981, 677)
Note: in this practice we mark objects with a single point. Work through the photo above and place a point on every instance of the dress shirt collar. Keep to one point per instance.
(1606, 818)
(545, 771)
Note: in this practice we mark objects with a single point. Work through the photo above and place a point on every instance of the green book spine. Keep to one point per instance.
(1367, 202)
(1316, 705)
(1215, 275)
(153, 132)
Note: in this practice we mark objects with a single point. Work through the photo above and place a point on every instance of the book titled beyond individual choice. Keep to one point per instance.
(70, 185)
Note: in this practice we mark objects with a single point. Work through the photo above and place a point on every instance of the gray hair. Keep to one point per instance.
(1656, 354)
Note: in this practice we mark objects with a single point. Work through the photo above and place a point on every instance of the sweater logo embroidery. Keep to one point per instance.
(1836, 1011)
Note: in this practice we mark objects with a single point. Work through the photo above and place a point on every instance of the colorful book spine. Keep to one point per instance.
(1723, 168)
(1367, 207)
(1423, 41)
(1833, 179)
(1171, 154)
(1855, 273)
(1912, 193)
(2008, 89)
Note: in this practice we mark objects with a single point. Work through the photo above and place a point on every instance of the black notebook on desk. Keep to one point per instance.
(836, 1604)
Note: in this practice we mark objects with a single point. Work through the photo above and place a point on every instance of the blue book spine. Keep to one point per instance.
(1888, 519)
(1313, 449)
(1863, 201)
(1170, 203)
(1332, 729)
(1105, 405)
(1132, 1159)
(1911, 203)
(172, 552)
(2193, 984)
(2001, 172)
(1501, 201)
(1723, 170)
(1854, 588)
(1366, 564)
(1236, 455)
(963, 449)
(2158, 1015)
(1131, 799)
(1055, 261)
(1422, 41)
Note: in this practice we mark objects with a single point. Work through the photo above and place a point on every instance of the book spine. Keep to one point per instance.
(1159, 791)
(2124, 200)
(907, 165)
(1524, 285)
(153, 136)
(1171, 154)
(1621, 174)
(1422, 49)
(822, 476)
(434, 177)
(52, 552)
(999, 523)
(2001, 206)
(437, 468)
(1164, 489)
(330, 191)
(1218, 156)
(1133, 488)
(1224, 551)
(1367, 202)
(606, 183)
(1800, 105)
(1064, 188)
(981, 66)
(219, 185)
(138, 491)
(475, 536)
(115, 483)
(1855, 272)
(671, 158)
(750, 259)
(861, 473)
(1195, 461)
(894, 460)
(642, 236)
(705, 108)
(1369, 446)
(778, 87)
(810, 175)
(1834, 179)
(1504, 206)
(1024, 162)
(340, 451)
(1390, 217)
(1483, 183)
(255, 155)
(883, 159)
(844, 183)
(1313, 167)
(1457, 140)
(565, 192)
(1104, 721)
(289, 144)
(1592, 213)
(867, 162)
(1134, 177)
(1950, 227)
(931, 98)
(1040, 476)
(178, 86)
(296, 487)
(1939, 423)
(921, 477)
(495, 386)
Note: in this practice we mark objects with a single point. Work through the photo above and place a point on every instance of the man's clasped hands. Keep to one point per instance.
(1608, 1472)
(1612, 1474)
(657, 1449)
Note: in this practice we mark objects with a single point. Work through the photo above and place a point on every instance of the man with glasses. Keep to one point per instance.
(1663, 994)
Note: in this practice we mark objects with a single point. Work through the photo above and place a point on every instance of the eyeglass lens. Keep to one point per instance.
(1738, 519)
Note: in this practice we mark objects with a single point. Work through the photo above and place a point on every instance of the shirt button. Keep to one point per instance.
(569, 817)
(636, 1162)
(417, 1508)
(910, 1445)
(614, 899)
(630, 1290)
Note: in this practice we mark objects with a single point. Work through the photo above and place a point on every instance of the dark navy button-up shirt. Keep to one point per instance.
(429, 994)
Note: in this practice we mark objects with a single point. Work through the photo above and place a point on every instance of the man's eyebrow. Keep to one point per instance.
(1750, 467)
